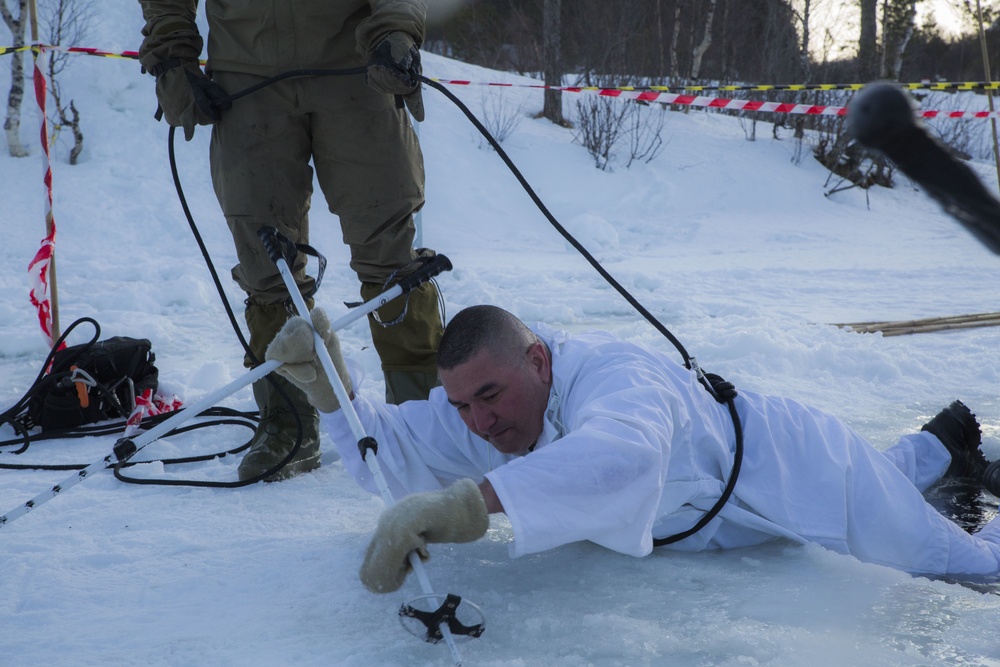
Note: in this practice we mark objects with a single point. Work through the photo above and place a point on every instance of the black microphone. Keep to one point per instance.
(883, 117)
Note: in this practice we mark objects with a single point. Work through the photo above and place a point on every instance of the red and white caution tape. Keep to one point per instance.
(661, 94)
(149, 405)
(760, 87)
(38, 268)
(130, 55)
(654, 95)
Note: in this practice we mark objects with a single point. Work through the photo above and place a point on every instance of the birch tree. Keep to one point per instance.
(16, 21)
(706, 41)
(898, 25)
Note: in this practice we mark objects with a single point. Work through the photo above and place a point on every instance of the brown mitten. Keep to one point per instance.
(455, 514)
(294, 346)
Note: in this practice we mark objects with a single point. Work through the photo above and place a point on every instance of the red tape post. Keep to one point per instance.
(38, 268)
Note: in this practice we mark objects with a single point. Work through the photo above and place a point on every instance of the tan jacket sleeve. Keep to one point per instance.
(166, 16)
(407, 16)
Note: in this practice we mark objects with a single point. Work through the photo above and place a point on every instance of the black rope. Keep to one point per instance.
(217, 416)
(201, 245)
(722, 397)
(289, 75)
(555, 223)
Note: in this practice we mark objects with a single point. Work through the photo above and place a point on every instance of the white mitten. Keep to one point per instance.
(294, 347)
(455, 514)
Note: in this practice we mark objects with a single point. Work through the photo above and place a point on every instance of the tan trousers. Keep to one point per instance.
(369, 167)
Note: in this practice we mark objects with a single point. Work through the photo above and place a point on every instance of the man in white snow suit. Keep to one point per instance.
(358, 137)
(588, 437)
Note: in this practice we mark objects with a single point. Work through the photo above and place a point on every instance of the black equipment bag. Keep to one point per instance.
(91, 382)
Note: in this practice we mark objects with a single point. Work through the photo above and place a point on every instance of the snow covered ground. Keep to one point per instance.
(727, 241)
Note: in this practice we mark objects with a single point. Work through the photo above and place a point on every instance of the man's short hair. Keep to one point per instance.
(483, 327)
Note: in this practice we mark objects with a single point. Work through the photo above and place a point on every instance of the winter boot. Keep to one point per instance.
(277, 431)
(407, 347)
(957, 429)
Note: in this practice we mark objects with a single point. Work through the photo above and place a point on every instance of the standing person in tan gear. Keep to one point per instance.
(358, 136)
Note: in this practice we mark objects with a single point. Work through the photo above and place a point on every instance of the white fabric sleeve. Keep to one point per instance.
(921, 457)
(422, 445)
(601, 482)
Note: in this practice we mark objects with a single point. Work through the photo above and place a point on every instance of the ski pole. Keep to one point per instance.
(128, 447)
(274, 243)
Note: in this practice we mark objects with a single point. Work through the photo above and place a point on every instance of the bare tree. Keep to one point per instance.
(675, 67)
(805, 21)
(661, 61)
(724, 69)
(762, 42)
(552, 56)
(16, 21)
(972, 9)
(803, 17)
(500, 115)
(645, 132)
(68, 22)
(867, 41)
(599, 125)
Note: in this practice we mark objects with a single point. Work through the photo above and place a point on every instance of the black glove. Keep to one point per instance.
(190, 98)
(394, 69)
(186, 95)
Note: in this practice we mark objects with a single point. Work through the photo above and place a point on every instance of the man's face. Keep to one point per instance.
(502, 403)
